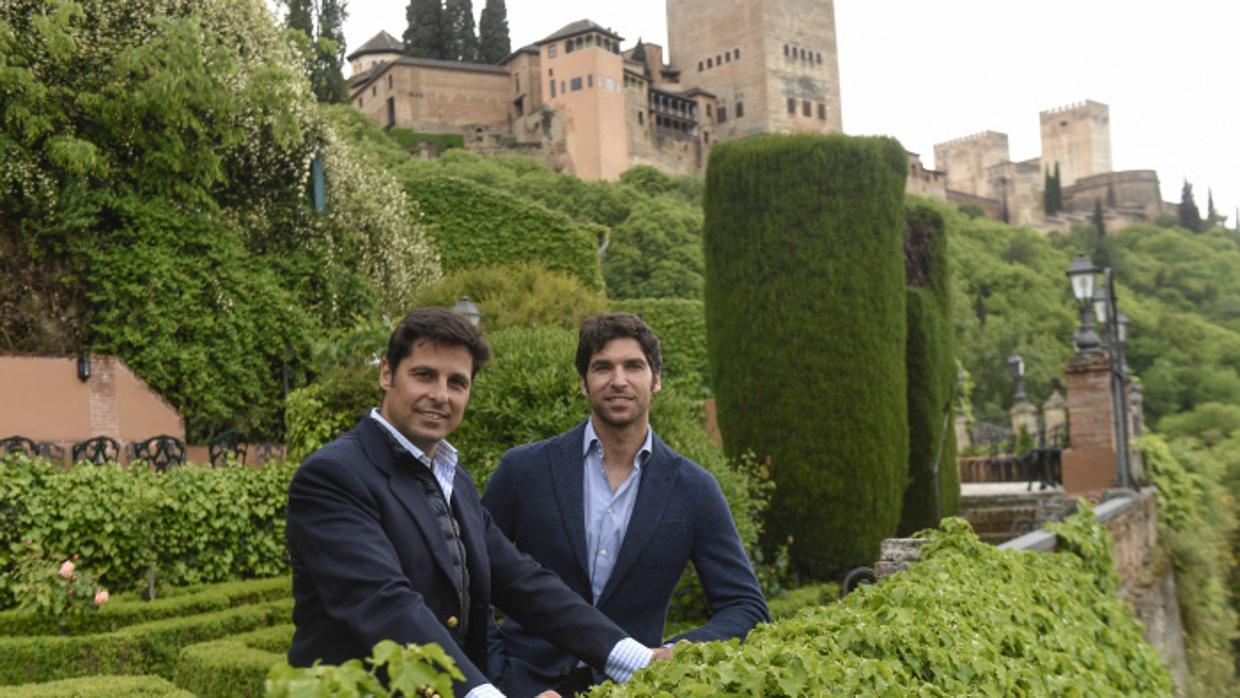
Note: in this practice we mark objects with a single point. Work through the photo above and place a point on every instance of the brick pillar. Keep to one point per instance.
(104, 420)
(1090, 465)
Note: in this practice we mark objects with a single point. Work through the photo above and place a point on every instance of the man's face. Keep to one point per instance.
(426, 393)
(619, 383)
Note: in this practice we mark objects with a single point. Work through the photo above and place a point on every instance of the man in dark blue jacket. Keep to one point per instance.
(388, 539)
(617, 514)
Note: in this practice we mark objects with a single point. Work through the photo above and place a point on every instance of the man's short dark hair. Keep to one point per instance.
(439, 326)
(597, 331)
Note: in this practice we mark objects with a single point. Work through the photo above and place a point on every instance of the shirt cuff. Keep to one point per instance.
(484, 690)
(626, 657)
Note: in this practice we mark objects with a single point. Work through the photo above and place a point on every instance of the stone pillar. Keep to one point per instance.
(1025, 414)
(1089, 466)
(1054, 413)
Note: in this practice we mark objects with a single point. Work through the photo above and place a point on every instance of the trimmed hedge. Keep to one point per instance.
(196, 524)
(681, 326)
(474, 226)
(790, 602)
(125, 610)
(969, 619)
(147, 648)
(233, 666)
(931, 365)
(805, 317)
(99, 687)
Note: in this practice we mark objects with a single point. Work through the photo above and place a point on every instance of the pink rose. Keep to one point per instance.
(66, 569)
(101, 597)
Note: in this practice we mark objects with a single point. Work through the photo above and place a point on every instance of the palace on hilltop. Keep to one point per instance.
(580, 103)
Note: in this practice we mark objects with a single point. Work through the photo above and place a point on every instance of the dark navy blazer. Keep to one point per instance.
(536, 498)
(371, 563)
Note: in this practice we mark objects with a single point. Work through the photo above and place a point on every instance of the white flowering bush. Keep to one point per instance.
(155, 160)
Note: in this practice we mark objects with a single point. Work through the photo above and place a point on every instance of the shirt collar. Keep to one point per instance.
(591, 438)
(445, 450)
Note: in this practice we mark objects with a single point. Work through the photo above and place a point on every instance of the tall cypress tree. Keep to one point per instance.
(1212, 216)
(1190, 216)
(328, 79)
(426, 31)
(493, 42)
(462, 42)
(1058, 189)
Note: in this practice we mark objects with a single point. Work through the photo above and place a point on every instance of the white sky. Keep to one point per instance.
(927, 71)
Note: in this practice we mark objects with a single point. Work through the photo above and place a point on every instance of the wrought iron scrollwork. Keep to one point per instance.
(162, 452)
(855, 578)
(268, 451)
(223, 444)
(18, 444)
(97, 450)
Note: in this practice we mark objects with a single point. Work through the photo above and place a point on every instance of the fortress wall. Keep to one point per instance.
(966, 160)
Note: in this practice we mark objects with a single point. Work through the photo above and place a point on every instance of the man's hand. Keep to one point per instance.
(666, 652)
(548, 694)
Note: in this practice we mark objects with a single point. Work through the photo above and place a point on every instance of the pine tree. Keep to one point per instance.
(426, 32)
(493, 42)
(1212, 217)
(1190, 217)
(639, 51)
(462, 42)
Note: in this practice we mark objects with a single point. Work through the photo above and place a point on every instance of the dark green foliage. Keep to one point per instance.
(235, 665)
(194, 524)
(973, 211)
(147, 648)
(320, 25)
(933, 488)
(946, 627)
(681, 326)
(1052, 193)
(1099, 221)
(1190, 216)
(656, 252)
(527, 294)
(493, 43)
(426, 30)
(462, 41)
(805, 312)
(473, 226)
(639, 52)
(99, 687)
(789, 603)
(411, 139)
(124, 610)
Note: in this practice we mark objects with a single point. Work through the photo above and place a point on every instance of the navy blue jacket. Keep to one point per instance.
(371, 563)
(536, 498)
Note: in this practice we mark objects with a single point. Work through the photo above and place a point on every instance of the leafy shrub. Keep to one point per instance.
(128, 609)
(410, 671)
(474, 226)
(1197, 525)
(330, 406)
(98, 687)
(526, 294)
(194, 524)
(56, 588)
(969, 619)
(808, 365)
(681, 326)
(933, 489)
(147, 648)
(410, 140)
(656, 252)
(233, 666)
(789, 603)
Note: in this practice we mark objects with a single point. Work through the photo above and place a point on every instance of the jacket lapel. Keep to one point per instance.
(566, 463)
(652, 496)
(407, 490)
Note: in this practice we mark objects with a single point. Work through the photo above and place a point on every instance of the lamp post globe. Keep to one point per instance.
(469, 310)
(1016, 365)
(1083, 274)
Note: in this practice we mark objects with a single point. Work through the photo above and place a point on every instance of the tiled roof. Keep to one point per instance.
(382, 42)
(378, 70)
(581, 26)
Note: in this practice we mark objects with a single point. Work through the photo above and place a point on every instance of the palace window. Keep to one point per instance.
(785, 50)
(727, 57)
(589, 81)
(723, 114)
(718, 60)
(708, 110)
(551, 51)
(792, 106)
(576, 84)
(822, 111)
(806, 108)
(553, 88)
(641, 118)
(740, 109)
(736, 53)
(710, 63)
(820, 59)
(700, 66)
(389, 82)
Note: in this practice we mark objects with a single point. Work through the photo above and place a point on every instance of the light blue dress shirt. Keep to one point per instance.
(443, 466)
(607, 513)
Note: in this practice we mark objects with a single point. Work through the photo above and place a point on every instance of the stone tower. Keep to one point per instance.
(771, 64)
(967, 161)
(1078, 137)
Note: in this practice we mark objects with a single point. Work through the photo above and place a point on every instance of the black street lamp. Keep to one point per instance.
(1083, 275)
(1017, 366)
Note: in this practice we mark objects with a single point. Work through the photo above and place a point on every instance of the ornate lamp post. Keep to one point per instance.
(1083, 274)
(469, 310)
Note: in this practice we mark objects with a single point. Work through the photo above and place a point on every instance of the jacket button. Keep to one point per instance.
(453, 621)
(568, 669)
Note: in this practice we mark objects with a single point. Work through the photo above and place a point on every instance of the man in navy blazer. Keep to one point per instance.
(388, 539)
(617, 514)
